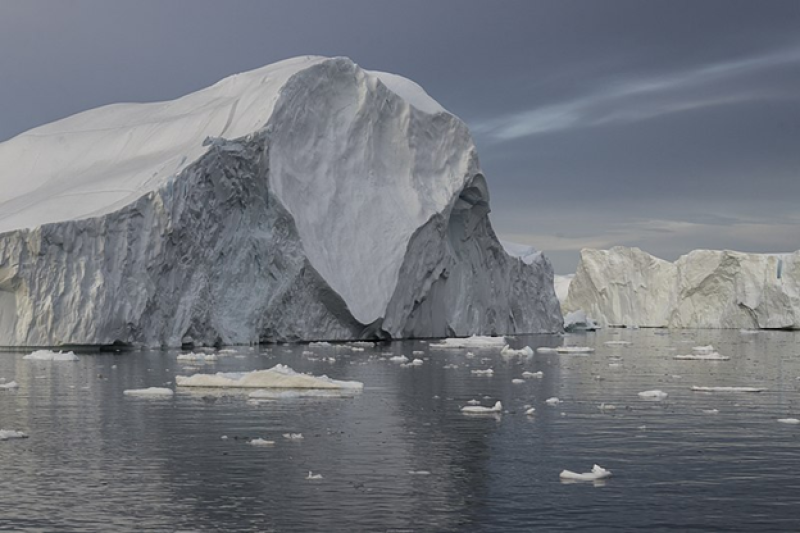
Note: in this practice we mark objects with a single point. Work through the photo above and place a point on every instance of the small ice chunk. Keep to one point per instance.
(517, 381)
(450, 366)
(224, 437)
(262, 442)
(614, 365)
(6, 434)
(727, 389)
(197, 357)
(703, 349)
(419, 472)
(552, 401)
(607, 407)
(475, 341)
(399, 359)
(507, 351)
(9, 385)
(417, 352)
(529, 375)
(530, 411)
(47, 355)
(598, 472)
(653, 394)
(710, 411)
(312, 475)
(487, 372)
(151, 392)
(417, 362)
(474, 402)
(710, 356)
(469, 355)
(320, 343)
(749, 331)
(789, 421)
(480, 410)
(293, 436)
(277, 377)
(617, 343)
(546, 349)
(574, 349)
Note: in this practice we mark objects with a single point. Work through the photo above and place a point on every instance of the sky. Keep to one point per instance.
(668, 125)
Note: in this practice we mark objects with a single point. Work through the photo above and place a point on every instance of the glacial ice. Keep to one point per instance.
(308, 200)
(47, 355)
(150, 392)
(598, 472)
(277, 377)
(198, 357)
(473, 342)
(702, 289)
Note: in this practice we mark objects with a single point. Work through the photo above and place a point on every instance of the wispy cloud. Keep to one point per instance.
(639, 99)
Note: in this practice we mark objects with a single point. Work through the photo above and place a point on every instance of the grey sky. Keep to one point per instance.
(669, 125)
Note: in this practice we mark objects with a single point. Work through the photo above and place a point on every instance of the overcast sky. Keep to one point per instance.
(668, 125)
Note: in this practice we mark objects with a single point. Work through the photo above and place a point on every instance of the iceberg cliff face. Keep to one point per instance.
(703, 289)
(306, 200)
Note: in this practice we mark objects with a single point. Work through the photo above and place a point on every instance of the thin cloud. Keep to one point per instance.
(637, 99)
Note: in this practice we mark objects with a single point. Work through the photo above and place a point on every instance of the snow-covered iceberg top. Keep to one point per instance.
(524, 252)
(48, 355)
(277, 377)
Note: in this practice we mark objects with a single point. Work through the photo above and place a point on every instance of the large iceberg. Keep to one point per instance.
(702, 289)
(306, 200)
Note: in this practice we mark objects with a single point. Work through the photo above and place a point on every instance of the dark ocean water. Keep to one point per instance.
(97, 460)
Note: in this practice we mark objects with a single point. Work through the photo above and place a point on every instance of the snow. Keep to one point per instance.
(727, 389)
(277, 377)
(480, 410)
(473, 342)
(375, 191)
(597, 472)
(507, 351)
(47, 355)
(653, 395)
(151, 392)
(702, 289)
(9, 385)
(6, 434)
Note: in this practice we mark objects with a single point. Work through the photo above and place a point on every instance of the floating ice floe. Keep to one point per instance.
(417, 352)
(416, 362)
(528, 375)
(703, 349)
(151, 392)
(293, 436)
(277, 377)
(262, 442)
(614, 365)
(545, 349)
(320, 343)
(552, 401)
(617, 343)
(517, 381)
(361, 344)
(712, 356)
(574, 349)
(474, 402)
(197, 357)
(476, 341)
(598, 472)
(481, 410)
(727, 389)
(47, 355)
(267, 395)
(789, 421)
(710, 411)
(607, 407)
(399, 359)
(9, 385)
(653, 395)
(419, 472)
(507, 351)
(6, 434)
(749, 331)
(530, 411)
(227, 351)
(487, 372)
(312, 475)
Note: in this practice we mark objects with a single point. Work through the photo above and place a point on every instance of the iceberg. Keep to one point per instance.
(702, 289)
(277, 377)
(308, 200)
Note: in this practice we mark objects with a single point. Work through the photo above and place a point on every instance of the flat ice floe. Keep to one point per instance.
(47, 355)
(262, 442)
(487, 372)
(574, 349)
(150, 392)
(481, 410)
(598, 472)
(402, 359)
(528, 375)
(6, 434)
(9, 385)
(552, 401)
(617, 343)
(277, 377)
(727, 389)
(476, 341)
(653, 395)
(198, 357)
(713, 356)
(789, 421)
